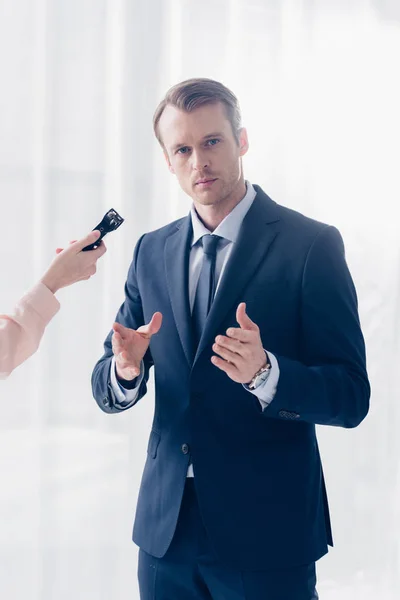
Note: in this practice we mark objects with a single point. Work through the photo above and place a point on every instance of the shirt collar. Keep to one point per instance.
(229, 227)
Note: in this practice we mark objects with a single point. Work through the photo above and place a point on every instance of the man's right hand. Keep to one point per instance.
(129, 346)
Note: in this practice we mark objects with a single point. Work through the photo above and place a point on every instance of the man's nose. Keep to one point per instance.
(199, 161)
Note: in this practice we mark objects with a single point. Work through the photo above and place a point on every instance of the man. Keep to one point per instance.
(248, 313)
(21, 332)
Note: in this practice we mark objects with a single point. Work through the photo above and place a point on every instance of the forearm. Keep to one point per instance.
(126, 392)
(109, 395)
(328, 383)
(22, 331)
(325, 395)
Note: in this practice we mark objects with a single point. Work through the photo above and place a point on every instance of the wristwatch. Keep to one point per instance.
(261, 376)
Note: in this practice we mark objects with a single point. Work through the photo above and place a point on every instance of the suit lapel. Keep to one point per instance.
(255, 238)
(177, 249)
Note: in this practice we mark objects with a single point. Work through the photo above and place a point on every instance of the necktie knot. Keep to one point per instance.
(210, 243)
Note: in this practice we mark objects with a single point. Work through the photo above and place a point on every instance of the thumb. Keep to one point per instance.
(153, 327)
(243, 319)
(88, 239)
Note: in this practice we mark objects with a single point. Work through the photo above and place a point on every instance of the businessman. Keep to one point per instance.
(248, 314)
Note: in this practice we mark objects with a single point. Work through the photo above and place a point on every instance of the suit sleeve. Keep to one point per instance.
(330, 385)
(130, 315)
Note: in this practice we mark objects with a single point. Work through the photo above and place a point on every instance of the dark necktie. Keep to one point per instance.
(206, 286)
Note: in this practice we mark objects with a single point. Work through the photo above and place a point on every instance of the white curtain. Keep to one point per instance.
(319, 88)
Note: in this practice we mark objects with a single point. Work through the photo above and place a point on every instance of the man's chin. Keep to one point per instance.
(206, 199)
(206, 196)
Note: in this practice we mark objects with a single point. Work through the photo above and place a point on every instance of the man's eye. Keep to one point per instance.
(213, 142)
(183, 150)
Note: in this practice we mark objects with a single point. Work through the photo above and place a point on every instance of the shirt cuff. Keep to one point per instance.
(267, 390)
(125, 397)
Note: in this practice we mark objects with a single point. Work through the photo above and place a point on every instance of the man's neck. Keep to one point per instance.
(211, 216)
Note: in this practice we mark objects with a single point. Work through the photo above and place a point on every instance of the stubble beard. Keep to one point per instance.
(222, 195)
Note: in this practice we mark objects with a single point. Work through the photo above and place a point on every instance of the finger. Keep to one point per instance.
(243, 319)
(91, 270)
(117, 337)
(117, 343)
(228, 368)
(228, 355)
(100, 250)
(229, 343)
(241, 335)
(121, 329)
(117, 349)
(90, 238)
(72, 242)
(153, 327)
(58, 250)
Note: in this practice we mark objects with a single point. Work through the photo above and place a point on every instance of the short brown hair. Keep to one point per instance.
(192, 93)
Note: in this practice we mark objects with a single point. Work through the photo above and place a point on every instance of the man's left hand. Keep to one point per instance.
(240, 351)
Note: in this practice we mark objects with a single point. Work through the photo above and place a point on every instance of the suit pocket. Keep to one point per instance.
(152, 446)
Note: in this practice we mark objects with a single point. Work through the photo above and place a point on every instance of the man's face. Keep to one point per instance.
(202, 152)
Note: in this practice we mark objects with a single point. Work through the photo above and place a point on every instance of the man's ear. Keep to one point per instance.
(243, 141)
(170, 167)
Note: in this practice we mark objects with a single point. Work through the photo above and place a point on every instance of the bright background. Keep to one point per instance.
(318, 82)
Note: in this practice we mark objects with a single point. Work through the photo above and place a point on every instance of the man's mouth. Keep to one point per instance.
(207, 182)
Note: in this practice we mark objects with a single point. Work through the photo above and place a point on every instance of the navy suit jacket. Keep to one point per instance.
(258, 474)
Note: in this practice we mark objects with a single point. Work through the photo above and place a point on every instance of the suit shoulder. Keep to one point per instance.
(298, 231)
(152, 243)
(166, 230)
(291, 219)
(305, 229)
(301, 222)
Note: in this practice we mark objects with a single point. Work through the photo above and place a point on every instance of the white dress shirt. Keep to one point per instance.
(228, 229)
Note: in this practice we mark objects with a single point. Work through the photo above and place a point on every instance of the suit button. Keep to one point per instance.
(185, 448)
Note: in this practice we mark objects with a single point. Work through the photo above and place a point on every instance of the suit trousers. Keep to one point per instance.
(190, 570)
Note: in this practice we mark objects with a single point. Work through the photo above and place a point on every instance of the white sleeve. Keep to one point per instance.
(123, 396)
